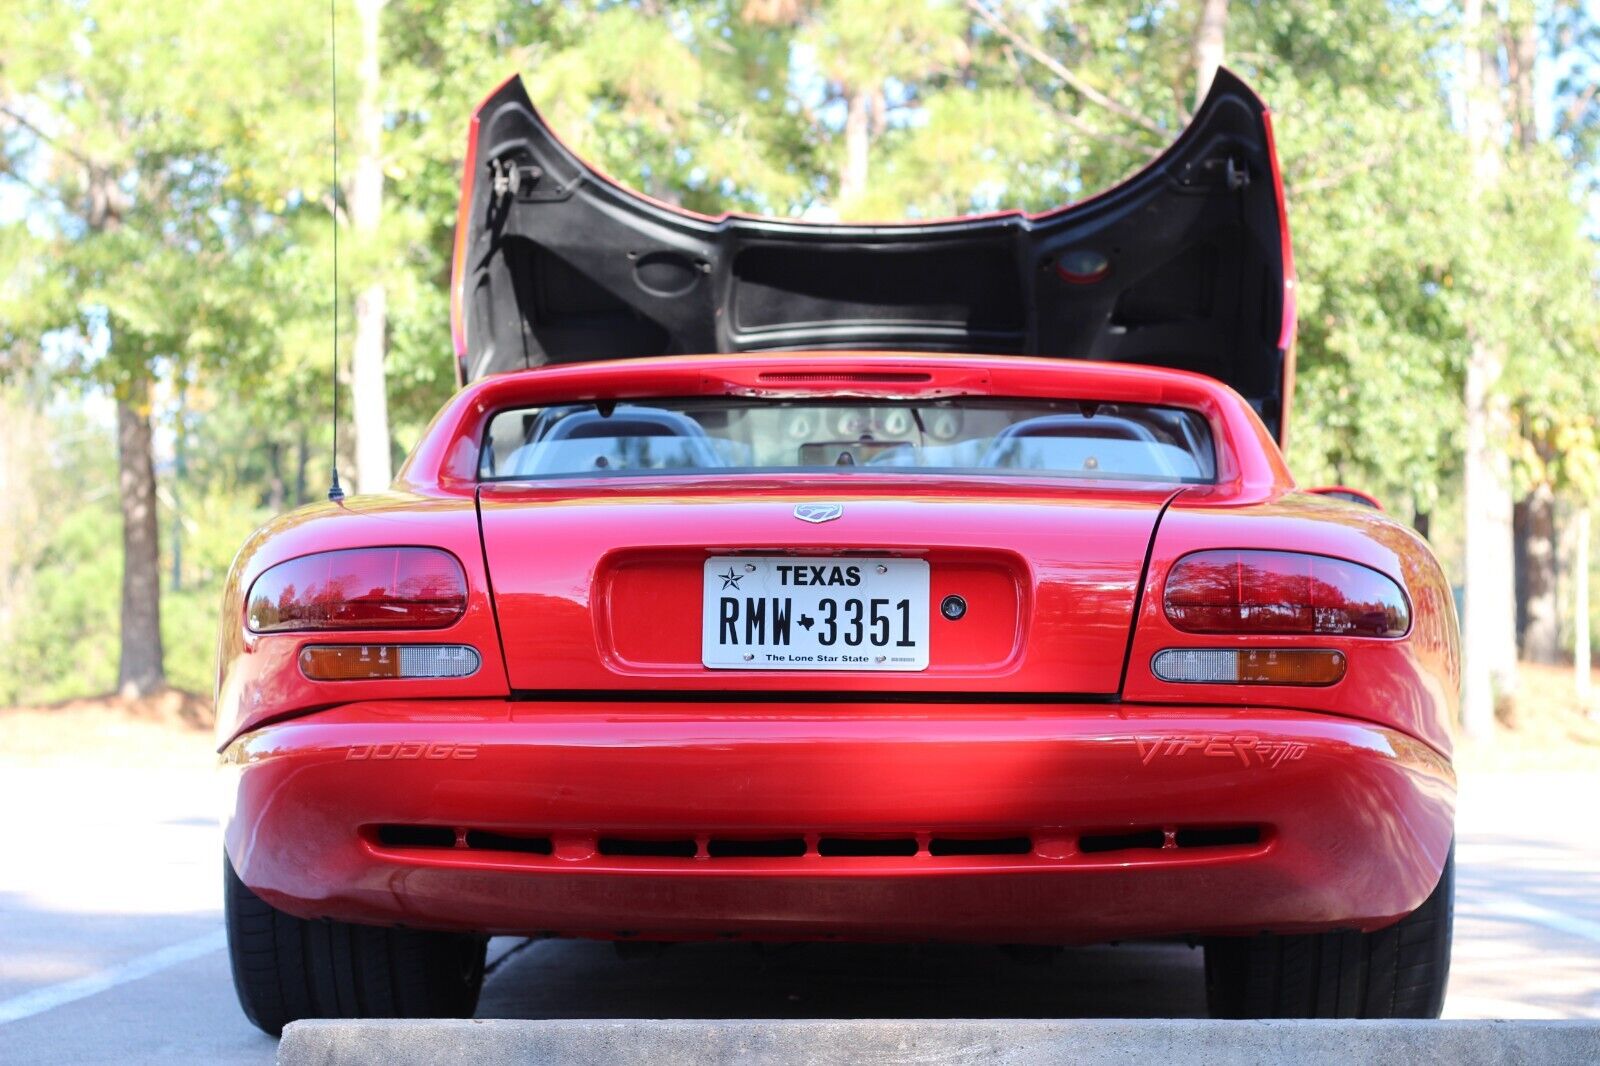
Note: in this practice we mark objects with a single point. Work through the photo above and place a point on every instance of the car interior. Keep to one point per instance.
(1084, 440)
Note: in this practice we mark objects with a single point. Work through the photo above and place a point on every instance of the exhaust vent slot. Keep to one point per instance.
(856, 847)
(1231, 836)
(416, 836)
(984, 846)
(484, 840)
(1155, 839)
(773, 848)
(1167, 839)
(1137, 840)
(652, 849)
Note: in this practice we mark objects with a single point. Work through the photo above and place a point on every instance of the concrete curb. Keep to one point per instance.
(1174, 1042)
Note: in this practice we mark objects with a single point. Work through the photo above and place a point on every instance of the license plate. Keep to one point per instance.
(785, 612)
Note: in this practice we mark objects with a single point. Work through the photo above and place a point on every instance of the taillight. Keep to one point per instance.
(360, 588)
(1237, 591)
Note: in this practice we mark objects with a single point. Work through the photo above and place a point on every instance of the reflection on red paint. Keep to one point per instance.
(1283, 592)
(362, 588)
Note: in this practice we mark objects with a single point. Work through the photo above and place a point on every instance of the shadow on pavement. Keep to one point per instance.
(586, 979)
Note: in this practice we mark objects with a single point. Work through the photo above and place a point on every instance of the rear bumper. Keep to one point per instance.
(1089, 822)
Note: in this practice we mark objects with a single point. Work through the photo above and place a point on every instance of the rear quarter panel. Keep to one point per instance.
(1411, 683)
(258, 675)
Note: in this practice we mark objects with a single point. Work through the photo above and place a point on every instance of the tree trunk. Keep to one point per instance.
(1582, 678)
(857, 147)
(140, 670)
(1522, 53)
(1210, 39)
(141, 667)
(1537, 612)
(1489, 629)
(369, 390)
(180, 475)
(302, 460)
(1489, 632)
(1538, 609)
(277, 491)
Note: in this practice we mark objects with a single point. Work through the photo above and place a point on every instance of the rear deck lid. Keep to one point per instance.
(651, 589)
(1186, 264)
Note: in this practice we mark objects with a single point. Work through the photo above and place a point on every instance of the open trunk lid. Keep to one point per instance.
(1186, 264)
(604, 593)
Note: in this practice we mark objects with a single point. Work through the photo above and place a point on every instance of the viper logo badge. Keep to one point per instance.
(818, 512)
(1249, 750)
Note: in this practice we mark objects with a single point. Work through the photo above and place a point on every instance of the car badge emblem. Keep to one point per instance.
(818, 512)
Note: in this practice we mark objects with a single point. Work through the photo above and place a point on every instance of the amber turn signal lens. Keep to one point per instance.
(374, 662)
(1259, 666)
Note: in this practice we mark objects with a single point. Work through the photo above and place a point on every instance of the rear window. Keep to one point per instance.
(1068, 439)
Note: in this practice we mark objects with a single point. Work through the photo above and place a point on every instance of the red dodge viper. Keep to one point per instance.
(960, 593)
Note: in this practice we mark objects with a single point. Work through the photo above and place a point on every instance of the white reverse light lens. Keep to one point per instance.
(1197, 664)
(437, 660)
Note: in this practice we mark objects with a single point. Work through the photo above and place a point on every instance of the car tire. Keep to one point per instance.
(286, 968)
(1396, 972)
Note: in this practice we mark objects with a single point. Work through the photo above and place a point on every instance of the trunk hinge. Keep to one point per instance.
(509, 177)
(1229, 172)
(514, 176)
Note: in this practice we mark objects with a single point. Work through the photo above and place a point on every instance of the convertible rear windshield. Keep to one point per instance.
(990, 437)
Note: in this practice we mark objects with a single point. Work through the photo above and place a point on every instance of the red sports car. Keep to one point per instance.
(961, 594)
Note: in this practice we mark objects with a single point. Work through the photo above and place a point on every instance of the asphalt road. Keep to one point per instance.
(111, 947)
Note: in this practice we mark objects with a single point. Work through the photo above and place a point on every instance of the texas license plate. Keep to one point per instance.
(785, 612)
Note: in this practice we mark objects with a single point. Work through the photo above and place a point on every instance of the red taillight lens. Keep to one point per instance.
(360, 588)
(1283, 592)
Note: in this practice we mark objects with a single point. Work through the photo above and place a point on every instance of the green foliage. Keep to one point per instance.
(937, 169)
(140, 171)
(1376, 186)
(687, 106)
(213, 528)
(58, 583)
(210, 122)
(68, 644)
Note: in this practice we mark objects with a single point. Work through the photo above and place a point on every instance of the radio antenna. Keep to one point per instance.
(335, 492)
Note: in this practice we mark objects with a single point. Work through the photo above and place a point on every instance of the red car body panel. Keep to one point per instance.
(1037, 782)
(1019, 563)
(1355, 820)
(1411, 683)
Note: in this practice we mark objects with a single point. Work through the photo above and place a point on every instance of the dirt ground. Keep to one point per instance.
(170, 730)
(1543, 729)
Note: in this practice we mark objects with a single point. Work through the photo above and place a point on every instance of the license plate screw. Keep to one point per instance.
(882, 569)
(748, 656)
(883, 658)
(749, 568)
